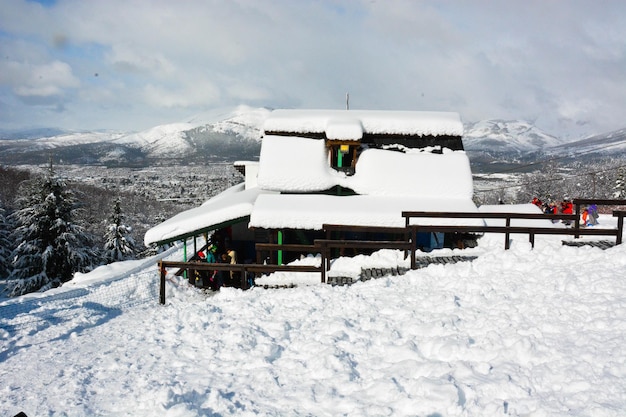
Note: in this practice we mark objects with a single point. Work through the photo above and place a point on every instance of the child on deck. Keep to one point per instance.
(585, 218)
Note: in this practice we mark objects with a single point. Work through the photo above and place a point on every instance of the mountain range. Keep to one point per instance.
(235, 133)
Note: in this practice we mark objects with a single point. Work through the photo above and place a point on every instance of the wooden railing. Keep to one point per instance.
(508, 229)
(243, 269)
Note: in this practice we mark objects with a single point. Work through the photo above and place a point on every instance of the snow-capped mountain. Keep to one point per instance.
(498, 144)
(223, 134)
(234, 133)
(607, 143)
(245, 121)
(169, 139)
(204, 131)
(506, 136)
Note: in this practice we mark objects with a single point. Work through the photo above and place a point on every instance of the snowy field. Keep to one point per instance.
(524, 332)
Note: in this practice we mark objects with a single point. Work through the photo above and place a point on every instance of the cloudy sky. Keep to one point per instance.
(120, 64)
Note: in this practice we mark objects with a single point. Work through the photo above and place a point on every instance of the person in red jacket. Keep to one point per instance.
(567, 208)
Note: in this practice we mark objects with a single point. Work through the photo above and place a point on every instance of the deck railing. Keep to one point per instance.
(243, 269)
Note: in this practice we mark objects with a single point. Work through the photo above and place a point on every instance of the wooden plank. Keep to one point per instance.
(287, 247)
(599, 201)
(364, 244)
(363, 229)
(464, 215)
(204, 266)
(516, 229)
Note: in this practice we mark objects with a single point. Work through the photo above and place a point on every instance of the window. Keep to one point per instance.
(343, 155)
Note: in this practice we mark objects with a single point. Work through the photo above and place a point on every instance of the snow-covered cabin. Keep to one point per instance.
(353, 167)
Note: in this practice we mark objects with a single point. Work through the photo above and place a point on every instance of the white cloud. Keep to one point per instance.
(125, 58)
(42, 80)
(197, 94)
(483, 59)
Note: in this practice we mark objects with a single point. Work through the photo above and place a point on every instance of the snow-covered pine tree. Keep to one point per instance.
(52, 246)
(619, 190)
(119, 244)
(5, 244)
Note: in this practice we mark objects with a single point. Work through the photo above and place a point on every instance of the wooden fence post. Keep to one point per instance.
(620, 229)
(162, 285)
(413, 246)
(323, 264)
(507, 235)
(577, 221)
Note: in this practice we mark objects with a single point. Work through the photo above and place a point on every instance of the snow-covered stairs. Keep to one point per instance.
(374, 273)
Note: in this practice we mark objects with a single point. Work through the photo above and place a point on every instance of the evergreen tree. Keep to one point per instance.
(620, 184)
(119, 244)
(5, 244)
(52, 246)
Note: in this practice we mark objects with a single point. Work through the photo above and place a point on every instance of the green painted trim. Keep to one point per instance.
(203, 230)
(280, 252)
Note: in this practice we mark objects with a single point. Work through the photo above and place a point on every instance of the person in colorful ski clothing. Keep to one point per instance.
(567, 208)
(593, 214)
(584, 221)
(215, 278)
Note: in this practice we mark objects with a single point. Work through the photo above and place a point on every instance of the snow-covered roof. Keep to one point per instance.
(294, 164)
(351, 124)
(307, 211)
(231, 204)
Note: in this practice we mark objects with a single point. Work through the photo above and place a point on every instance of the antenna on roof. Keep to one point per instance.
(347, 101)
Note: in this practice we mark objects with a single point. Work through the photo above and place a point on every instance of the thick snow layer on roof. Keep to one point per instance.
(293, 164)
(231, 204)
(312, 211)
(344, 129)
(424, 174)
(372, 121)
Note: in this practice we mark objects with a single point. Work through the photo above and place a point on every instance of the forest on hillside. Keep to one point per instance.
(552, 181)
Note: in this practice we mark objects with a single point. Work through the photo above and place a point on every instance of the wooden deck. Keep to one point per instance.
(403, 238)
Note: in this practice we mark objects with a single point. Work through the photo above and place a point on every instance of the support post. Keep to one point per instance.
(507, 235)
(413, 235)
(162, 283)
(577, 221)
(323, 264)
(620, 229)
(280, 252)
(185, 256)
